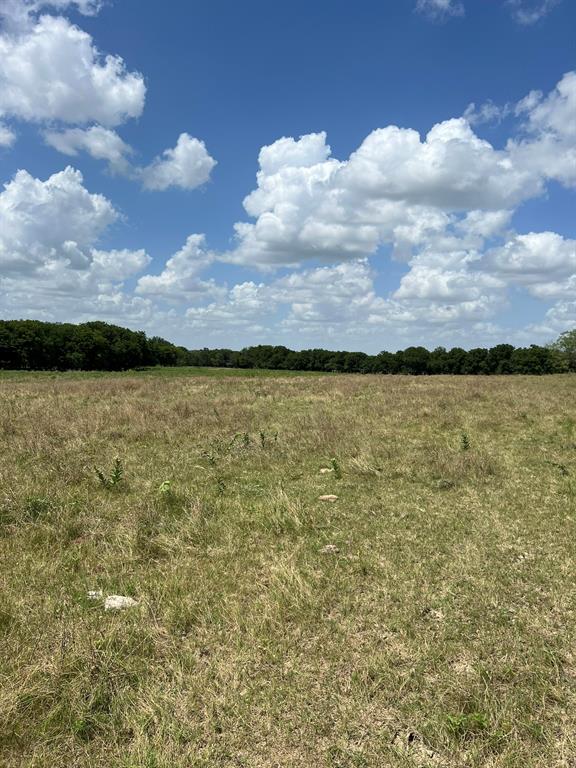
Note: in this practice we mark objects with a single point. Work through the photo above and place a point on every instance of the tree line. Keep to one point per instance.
(37, 345)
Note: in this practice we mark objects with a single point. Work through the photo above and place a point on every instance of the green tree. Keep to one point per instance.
(565, 345)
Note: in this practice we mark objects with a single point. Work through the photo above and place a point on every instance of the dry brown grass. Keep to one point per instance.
(438, 630)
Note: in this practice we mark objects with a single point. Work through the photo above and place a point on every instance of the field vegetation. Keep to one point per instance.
(422, 616)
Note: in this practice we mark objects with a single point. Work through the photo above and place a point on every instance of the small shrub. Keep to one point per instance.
(115, 476)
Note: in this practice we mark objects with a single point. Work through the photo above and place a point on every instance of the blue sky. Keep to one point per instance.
(384, 239)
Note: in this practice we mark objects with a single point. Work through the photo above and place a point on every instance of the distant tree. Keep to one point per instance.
(385, 362)
(498, 360)
(414, 360)
(438, 360)
(535, 360)
(565, 346)
(455, 360)
(476, 361)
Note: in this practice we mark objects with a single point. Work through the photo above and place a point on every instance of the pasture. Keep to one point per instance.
(425, 618)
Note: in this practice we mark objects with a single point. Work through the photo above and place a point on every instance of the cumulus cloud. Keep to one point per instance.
(101, 143)
(552, 113)
(187, 165)
(549, 144)
(52, 220)
(394, 189)
(542, 262)
(50, 263)
(179, 279)
(53, 72)
(7, 136)
(442, 204)
(452, 169)
(436, 284)
(340, 301)
(440, 10)
(337, 296)
(399, 189)
(562, 315)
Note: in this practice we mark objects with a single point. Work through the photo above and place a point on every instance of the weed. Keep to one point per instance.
(114, 477)
(165, 488)
(464, 441)
(466, 725)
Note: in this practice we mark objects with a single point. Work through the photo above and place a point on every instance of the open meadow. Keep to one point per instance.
(425, 618)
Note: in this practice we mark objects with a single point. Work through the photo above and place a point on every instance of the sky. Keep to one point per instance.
(361, 176)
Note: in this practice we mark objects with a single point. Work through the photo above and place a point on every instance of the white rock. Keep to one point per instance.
(326, 470)
(119, 602)
(95, 594)
(330, 549)
(328, 497)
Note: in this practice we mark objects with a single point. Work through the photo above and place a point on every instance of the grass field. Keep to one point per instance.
(425, 618)
(157, 372)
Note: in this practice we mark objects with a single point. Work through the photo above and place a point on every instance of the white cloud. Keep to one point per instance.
(288, 153)
(336, 296)
(488, 112)
(395, 189)
(452, 169)
(562, 315)
(101, 143)
(341, 301)
(442, 204)
(554, 113)
(440, 10)
(52, 71)
(555, 289)
(543, 262)
(549, 147)
(179, 279)
(187, 165)
(399, 189)
(50, 264)
(437, 284)
(527, 12)
(20, 13)
(7, 136)
(56, 219)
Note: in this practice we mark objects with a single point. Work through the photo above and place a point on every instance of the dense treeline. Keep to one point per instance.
(501, 359)
(35, 345)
